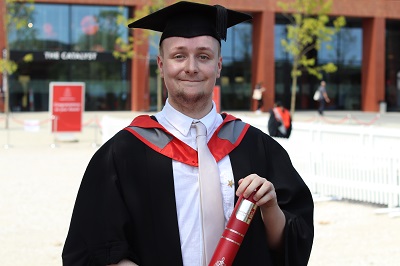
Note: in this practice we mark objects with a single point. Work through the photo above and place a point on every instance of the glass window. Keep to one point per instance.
(238, 45)
(346, 47)
(47, 29)
(70, 27)
(154, 40)
(235, 81)
(343, 86)
(95, 28)
(392, 92)
(280, 33)
(43, 28)
(52, 24)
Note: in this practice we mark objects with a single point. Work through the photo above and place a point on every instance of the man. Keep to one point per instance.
(323, 97)
(279, 122)
(258, 96)
(141, 197)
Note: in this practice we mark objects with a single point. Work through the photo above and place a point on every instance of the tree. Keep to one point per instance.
(17, 17)
(124, 47)
(307, 31)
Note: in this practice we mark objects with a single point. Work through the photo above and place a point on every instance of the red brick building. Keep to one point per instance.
(367, 55)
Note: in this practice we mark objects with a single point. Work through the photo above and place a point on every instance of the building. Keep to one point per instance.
(73, 40)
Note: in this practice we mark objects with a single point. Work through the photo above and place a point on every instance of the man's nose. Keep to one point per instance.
(191, 65)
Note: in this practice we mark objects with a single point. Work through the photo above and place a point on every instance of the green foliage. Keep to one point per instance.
(17, 18)
(27, 58)
(18, 13)
(8, 65)
(124, 48)
(308, 29)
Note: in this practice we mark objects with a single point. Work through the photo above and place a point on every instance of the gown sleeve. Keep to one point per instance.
(100, 221)
(259, 153)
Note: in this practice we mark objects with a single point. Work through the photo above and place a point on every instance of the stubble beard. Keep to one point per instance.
(191, 103)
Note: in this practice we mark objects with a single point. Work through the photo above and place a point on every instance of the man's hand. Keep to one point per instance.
(265, 197)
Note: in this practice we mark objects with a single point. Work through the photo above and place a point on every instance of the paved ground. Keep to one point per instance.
(38, 185)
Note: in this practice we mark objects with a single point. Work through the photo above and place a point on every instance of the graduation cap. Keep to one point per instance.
(187, 19)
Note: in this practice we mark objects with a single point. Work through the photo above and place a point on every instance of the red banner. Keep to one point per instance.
(66, 106)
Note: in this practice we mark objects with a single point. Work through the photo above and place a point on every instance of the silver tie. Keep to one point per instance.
(213, 220)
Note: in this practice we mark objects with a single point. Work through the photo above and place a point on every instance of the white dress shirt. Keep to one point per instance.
(186, 181)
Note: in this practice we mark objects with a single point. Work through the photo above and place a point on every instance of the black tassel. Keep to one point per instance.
(222, 21)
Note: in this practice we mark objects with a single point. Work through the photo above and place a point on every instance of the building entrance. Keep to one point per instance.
(106, 80)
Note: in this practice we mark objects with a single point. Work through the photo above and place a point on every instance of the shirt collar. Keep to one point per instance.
(183, 123)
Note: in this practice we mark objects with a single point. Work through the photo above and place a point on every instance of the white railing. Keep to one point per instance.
(359, 163)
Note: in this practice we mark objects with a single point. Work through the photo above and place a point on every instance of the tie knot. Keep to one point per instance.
(200, 129)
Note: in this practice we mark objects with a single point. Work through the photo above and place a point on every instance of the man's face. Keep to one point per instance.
(190, 67)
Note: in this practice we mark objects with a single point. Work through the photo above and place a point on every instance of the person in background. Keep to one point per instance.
(323, 97)
(139, 202)
(279, 122)
(258, 96)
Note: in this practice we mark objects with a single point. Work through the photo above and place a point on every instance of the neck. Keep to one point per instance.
(196, 110)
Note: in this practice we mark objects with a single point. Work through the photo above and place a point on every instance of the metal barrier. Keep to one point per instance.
(42, 123)
(359, 163)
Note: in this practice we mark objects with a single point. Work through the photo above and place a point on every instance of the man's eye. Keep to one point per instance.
(203, 57)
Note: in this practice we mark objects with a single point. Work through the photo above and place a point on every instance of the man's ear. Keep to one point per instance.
(219, 65)
(160, 65)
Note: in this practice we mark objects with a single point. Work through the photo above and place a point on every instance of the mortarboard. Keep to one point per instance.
(187, 19)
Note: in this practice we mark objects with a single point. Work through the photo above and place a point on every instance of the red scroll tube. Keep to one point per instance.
(234, 232)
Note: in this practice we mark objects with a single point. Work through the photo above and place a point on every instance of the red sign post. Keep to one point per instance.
(217, 97)
(66, 106)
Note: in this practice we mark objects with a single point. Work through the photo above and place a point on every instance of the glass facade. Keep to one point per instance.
(343, 86)
(235, 78)
(153, 52)
(75, 43)
(70, 43)
(392, 75)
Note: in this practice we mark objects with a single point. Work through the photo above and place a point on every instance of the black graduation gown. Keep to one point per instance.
(125, 207)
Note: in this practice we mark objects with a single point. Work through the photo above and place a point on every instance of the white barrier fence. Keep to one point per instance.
(111, 125)
(359, 163)
(352, 162)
